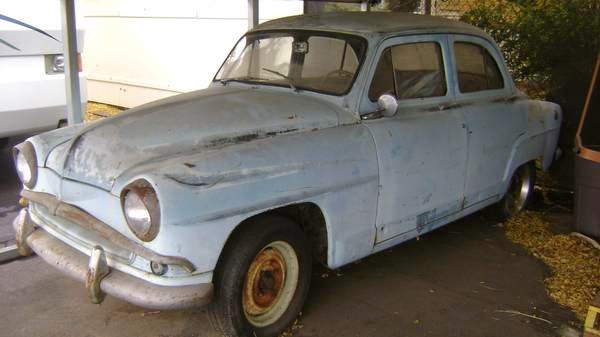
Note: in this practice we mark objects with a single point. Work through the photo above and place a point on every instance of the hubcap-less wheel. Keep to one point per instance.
(519, 190)
(270, 283)
(262, 278)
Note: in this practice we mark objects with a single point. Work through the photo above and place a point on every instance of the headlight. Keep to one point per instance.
(141, 209)
(58, 64)
(26, 163)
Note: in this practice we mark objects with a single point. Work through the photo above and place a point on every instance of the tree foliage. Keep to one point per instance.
(542, 37)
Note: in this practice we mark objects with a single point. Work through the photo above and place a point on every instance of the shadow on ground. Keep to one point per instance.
(9, 195)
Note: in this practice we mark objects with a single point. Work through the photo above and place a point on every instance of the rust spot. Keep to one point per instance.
(187, 180)
(234, 140)
(264, 282)
(248, 137)
(146, 193)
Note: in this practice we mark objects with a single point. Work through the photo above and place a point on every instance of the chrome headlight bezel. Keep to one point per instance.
(24, 157)
(142, 195)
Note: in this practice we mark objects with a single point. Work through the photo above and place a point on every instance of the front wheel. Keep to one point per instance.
(262, 279)
(519, 191)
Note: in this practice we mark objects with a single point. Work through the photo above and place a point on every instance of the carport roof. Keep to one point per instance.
(365, 23)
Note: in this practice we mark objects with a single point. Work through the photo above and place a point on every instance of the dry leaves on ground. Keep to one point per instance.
(96, 110)
(575, 263)
(292, 329)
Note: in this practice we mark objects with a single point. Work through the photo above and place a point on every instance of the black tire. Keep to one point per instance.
(228, 312)
(519, 193)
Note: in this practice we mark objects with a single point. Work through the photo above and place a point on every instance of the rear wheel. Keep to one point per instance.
(262, 279)
(519, 191)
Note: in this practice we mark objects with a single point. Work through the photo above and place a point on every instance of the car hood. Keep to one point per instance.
(192, 122)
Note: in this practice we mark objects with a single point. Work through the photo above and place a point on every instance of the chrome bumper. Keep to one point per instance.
(99, 277)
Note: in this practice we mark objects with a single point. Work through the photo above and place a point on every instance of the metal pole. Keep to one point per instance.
(427, 7)
(364, 6)
(69, 33)
(252, 14)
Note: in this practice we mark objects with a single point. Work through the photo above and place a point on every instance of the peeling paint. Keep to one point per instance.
(211, 118)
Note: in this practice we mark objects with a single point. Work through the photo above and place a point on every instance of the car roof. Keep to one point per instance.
(369, 23)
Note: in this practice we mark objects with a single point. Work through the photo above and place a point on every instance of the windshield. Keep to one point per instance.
(301, 60)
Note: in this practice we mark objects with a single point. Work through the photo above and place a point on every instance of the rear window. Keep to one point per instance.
(476, 68)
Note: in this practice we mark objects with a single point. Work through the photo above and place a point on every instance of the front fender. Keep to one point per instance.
(204, 196)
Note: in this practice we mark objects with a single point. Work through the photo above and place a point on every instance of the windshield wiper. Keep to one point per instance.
(224, 81)
(289, 79)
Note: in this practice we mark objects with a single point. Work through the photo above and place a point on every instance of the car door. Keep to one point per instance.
(422, 149)
(494, 118)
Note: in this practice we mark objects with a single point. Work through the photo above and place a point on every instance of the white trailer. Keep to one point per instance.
(140, 51)
(32, 81)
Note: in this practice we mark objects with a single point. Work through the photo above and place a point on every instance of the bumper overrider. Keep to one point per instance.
(94, 269)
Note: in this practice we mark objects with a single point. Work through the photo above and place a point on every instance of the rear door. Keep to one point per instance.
(422, 149)
(485, 93)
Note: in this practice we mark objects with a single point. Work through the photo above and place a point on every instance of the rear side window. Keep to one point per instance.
(412, 70)
(476, 68)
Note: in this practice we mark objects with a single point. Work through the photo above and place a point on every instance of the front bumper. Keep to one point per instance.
(98, 277)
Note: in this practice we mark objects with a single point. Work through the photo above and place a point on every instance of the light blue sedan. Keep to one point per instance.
(326, 137)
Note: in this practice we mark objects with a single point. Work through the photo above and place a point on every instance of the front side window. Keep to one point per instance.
(305, 60)
(476, 68)
(412, 70)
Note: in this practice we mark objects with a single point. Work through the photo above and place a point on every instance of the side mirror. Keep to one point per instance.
(388, 105)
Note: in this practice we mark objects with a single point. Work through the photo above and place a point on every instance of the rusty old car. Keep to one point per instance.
(321, 138)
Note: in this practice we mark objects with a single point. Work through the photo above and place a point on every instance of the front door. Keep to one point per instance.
(422, 149)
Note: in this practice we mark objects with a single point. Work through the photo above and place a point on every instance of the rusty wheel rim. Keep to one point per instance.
(270, 283)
